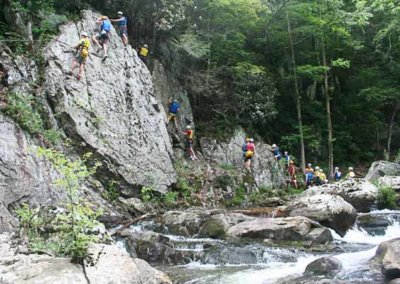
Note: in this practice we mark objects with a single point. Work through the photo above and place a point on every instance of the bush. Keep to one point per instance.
(67, 231)
(19, 107)
(386, 198)
(170, 198)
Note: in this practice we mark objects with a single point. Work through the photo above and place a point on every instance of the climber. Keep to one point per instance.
(173, 111)
(244, 148)
(350, 175)
(292, 174)
(309, 173)
(322, 177)
(317, 176)
(143, 52)
(122, 23)
(103, 35)
(82, 52)
(338, 174)
(189, 142)
(249, 154)
(287, 159)
(277, 154)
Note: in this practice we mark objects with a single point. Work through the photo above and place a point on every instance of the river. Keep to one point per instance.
(255, 263)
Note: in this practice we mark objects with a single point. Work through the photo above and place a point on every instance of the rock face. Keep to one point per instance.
(358, 192)
(266, 170)
(387, 256)
(330, 210)
(327, 266)
(283, 229)
(382, 168)
(23, 177)
(112, 110)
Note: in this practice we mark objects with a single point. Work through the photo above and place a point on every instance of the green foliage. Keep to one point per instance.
(147, 193)
(170, 198)
(312, 72)
(68, 232)
(111, 192)
(20, 108)
(239, 197)
(386, 198)
(52, 137)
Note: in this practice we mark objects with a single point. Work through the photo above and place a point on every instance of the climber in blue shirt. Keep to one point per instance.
(122, 23)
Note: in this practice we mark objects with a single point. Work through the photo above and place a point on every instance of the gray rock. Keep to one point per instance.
(113, 110)
(265, 170)
(387, 257)
(109, 264)
(330, 210)
(24, 177)
(327, 266)
(358, 192)
(292, 229)
(382, 168)
(390, 181)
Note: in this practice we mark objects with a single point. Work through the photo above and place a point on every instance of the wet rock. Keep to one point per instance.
(394, 281)
(382, 168)
(221, 255)
(327, 266)
(112, 110)
(134, 205)
(387, 257)
(358, 192)
(330, 210)
(290, 229)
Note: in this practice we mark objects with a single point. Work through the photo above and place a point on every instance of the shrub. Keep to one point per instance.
(19, 107)
(70, 230)
(386, 198)
(170, 198)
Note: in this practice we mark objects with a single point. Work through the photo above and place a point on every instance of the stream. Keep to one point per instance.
(256, 263)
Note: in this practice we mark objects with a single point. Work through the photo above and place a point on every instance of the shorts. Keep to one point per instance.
(80, 59)
(123, 31)
(189, 143)
(105, 37)
(172, 116)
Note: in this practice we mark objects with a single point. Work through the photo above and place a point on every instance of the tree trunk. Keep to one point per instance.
(298, 98)
(391, 123)
(328, 109)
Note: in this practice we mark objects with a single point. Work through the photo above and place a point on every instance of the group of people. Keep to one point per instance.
(101, 40)
(317, 176)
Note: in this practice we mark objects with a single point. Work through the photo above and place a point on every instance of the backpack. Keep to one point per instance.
(173, 108)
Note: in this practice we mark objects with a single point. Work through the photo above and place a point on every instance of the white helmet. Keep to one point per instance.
(316, 168)
(350, 168)
(120, 13)
(273, 145)
(321, 170)
(188, 127)
(84, 34)
(309, 165)
(336, 168)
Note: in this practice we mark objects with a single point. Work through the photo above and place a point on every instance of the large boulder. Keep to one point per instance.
(360, 193)
(110, 264)
(330, 210)
(112, 111)
(382, 168)
(387, 257)
(299, 230)
(266, 171)
(327, 266)
(23, 177)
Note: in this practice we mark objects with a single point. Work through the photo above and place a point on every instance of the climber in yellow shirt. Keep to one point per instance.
(82, 52)
(143, 53)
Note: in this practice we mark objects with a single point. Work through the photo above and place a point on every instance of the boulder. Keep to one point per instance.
(291, 229)
(360, 193)
(110, 264)
(387, 257)
(382, 168)
(390, 181)
(330, 210)
(327, 266)
(112, 111)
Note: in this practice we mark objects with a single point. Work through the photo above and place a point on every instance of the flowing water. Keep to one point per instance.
(259, 264)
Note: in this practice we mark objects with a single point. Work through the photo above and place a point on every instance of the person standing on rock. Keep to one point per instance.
(249, 154)
(350, 175)
(174, 107)
(309, 173)
(103, 35)
(292, 174)
(287, 158)
(338, 174)
(143, 53)
(122, 23)
(82, 52)
(322, 177)
(275, 150)
(189, 133)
